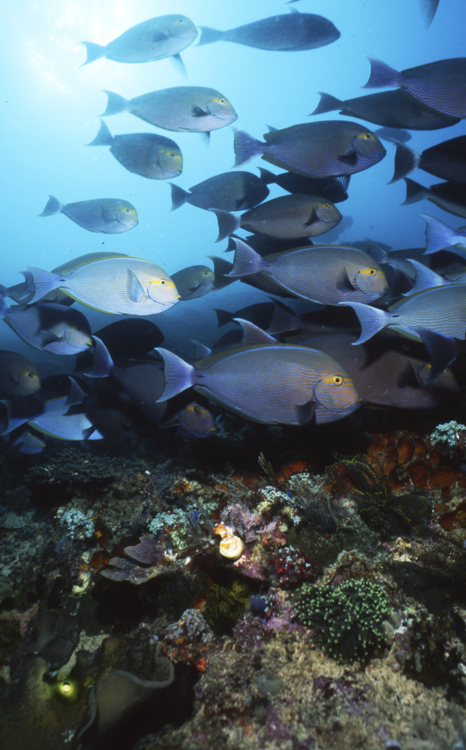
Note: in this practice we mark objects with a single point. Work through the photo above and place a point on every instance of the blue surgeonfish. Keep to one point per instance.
(107, 215)
(119, 285)
(154, 39)
(440, 84)
(436, 316)
(320, 149)
(267, 382)
(325, 274)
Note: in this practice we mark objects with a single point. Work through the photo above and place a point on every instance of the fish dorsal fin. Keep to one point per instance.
(425, 279)
(201, 350)
(272, 129)
(252, 334)
(135, 291)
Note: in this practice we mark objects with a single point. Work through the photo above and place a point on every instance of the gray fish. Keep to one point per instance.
(269, 383)
(119, 285)
(108, 215)
(18, 375)
(322, 273)
(230, 191)
(285, 33)
(52, 328)
(451, 196)
(440, 84)
(446, 160)
(320, 149)
(391, 109)
(28, 443)
(287, 217)
(194, 281)
(191, 109)
(143, 381)
(147, 154)
(155, 39)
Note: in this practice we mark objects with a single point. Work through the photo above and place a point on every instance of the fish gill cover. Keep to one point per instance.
(215, 499)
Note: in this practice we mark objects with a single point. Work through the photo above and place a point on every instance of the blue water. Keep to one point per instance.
(50, 106)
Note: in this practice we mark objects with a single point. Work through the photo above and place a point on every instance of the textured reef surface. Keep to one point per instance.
(264, 588)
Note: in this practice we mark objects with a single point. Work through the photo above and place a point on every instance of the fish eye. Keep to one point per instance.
(371, 271)
(367, 136)
(162, 282)
(325, 205)
(337, 380)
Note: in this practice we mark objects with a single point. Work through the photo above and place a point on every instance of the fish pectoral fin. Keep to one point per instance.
(350, 158)
(407, 377)
(343, 282)
(135, 291)
(305, 412)
(312, 217)
(199, 112)
(107, 216)
(442, 350)
(47, 337)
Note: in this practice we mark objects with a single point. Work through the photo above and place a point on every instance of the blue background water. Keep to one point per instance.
(50, 106)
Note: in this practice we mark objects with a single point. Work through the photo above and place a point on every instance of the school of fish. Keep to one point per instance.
(403, 323)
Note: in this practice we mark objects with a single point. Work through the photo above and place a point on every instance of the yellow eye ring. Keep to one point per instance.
(337, 380)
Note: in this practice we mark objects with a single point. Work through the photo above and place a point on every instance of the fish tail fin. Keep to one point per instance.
(246, 147)
(266, 176)
(382, 75)
(177, 373)
(76, 394)
(223, 316)
(179, 196)
(227, 223)
(42, 281)
(116, 104)
(328, 103)
(94, 52)
(414, 192)
(438, 235)
(406, 160)
(247, 261)
(103, 137)
(53, 207)
(371, 319)
(222, 268)
(102, 365)
(209, 35)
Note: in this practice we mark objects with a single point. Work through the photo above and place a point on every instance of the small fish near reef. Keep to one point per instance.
(289, 32)
(118, 285)
(267, 382)
(147, 154)
(190, 109)
(155, 39)
(107, 215)
(320, 149)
